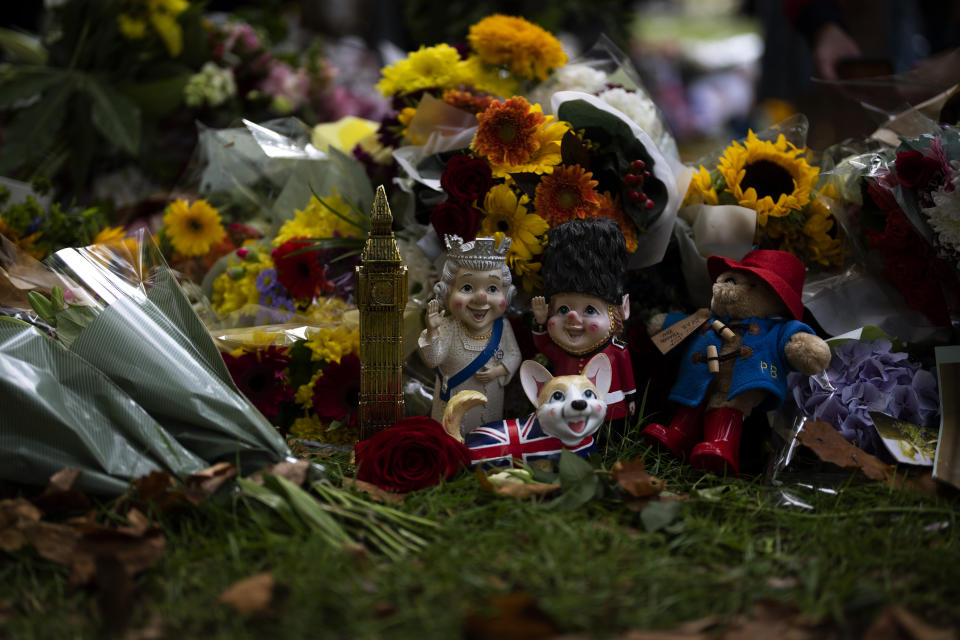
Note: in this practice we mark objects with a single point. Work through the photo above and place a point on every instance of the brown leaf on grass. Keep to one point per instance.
(15, 514)
(60, 494)
(775, 619)
(519, 490)
(251, 595)
(203, 484)
(295, 472)
(691, 630)
(633, 478)
(375, 492)
(921, 481)
(153, 630)
(159, 490)
(832, 447)
(516, 616)
(896, 623)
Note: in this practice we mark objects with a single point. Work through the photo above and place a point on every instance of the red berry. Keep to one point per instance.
(638, 165)
(648, 204)
(646, 174)
(632, 179)
(635, 195)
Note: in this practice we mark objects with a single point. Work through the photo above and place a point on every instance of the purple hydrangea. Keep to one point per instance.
(864, 377)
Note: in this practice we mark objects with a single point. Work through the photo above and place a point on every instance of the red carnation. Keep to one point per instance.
(456, 217)
(914, 169)
(413, 454)
(466, 178)
(261, 377)
(301, 273)
(336, 393)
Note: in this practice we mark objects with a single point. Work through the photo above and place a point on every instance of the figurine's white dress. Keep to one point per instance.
(453, 350)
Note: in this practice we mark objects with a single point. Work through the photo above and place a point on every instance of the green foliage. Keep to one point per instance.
(52, 228)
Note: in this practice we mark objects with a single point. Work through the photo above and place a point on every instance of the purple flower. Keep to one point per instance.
(865, 377)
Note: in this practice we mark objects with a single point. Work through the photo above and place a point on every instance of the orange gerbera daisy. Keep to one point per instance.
(608, 207)
(466, 100)
(507, 132)
(567, 193)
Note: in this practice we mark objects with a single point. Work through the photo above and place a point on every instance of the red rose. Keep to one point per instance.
(915, 169)
(413, 454)
(466, 178)
(456, 217)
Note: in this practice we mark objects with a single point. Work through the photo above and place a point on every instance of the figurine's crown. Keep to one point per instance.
(479, 249)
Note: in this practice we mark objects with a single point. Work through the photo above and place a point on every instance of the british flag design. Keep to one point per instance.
(499, 443)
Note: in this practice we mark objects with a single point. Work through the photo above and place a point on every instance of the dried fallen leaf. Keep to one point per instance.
(515, 616)
(15, 514)
(632, 477)
(295, 472)
(896, 623)
(203, 484)
(60, 494)
(775, 619)
(250, 595)
(154, 630)
(375, 492)
(832, 447)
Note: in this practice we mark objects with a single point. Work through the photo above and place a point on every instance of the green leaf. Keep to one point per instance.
(72, 321)
(577, 495)
(16, 321)
(27, 84)
(56, 296)
(114, 115)
(573, 469)
(42, 305)
(160, 97)
(34, 129)
(657, 515)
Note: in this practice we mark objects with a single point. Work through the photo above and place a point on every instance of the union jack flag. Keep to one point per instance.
(499, 443)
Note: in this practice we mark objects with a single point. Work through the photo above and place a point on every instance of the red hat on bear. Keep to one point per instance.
(783, 271)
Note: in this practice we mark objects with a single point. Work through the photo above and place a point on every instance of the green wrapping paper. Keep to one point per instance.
(57, 411)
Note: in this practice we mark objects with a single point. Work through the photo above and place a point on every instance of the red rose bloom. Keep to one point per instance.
(413, 454)
(456, 217)
(914, 169)
(301, 273)
(466, 178)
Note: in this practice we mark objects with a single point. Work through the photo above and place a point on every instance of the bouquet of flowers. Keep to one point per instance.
(770, 176)
(177, 409)
(866, 378)
(485, 160)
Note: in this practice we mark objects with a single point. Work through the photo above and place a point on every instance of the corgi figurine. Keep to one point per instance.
(569, 410)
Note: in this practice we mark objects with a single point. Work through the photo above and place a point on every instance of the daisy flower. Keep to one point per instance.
(261, 376)
(567, 193)
(192, 228)
(303, 275)
(336, 392)
(507, 213)
(515, 137)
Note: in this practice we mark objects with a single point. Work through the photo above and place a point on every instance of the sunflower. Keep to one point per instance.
(567, 193)
(506, 213)
(515, 137)
(769, 177)
(526, 49)
(261, 376)
(823, 246)
(701, 189)
(192, 228)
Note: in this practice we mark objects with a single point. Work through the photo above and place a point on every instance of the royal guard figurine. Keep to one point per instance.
(473, 347)
(583, 306)
(738, 355)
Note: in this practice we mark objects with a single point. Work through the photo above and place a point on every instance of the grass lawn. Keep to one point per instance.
(509, 568)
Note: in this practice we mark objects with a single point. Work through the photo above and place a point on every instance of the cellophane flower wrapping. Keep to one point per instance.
(866, 377)
(119, 319)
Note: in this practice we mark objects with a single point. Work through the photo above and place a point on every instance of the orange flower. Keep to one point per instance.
(567, 193)
(610, 208)
(507, 132)
(466, 100)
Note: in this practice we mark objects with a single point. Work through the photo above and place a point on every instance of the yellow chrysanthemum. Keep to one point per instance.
(327, 310)
(162, 16)
(482, 77)
(701, 189)
(310, 427)
(508, 214)
(237, 286)
(193, 228)
(526, 49)
(329, 345)
(425, 68)
(317, 221)
(769, 177)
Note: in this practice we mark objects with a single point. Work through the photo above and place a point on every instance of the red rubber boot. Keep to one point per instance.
(678, 438)
(720, 450)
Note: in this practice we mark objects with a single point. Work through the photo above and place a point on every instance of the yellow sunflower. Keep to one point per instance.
(192, 228)
(701, 189)
(526, 49)
(506, 213)
(567, 193)
(823, 247)
(769, 177)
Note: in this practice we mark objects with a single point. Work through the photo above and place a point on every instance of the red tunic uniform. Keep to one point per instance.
(621, 369)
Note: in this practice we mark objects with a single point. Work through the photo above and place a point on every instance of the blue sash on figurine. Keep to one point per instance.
(448, 384)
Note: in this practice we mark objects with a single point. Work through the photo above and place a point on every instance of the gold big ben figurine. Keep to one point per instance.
(381, 298)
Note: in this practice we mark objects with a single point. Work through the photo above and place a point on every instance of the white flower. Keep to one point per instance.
(578, 77)
(636, 106)
(212, 85)
(944, 215)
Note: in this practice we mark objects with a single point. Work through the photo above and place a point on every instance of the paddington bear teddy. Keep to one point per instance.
(737, 356)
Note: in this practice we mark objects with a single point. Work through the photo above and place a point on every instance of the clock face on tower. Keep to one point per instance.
(381, 292)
